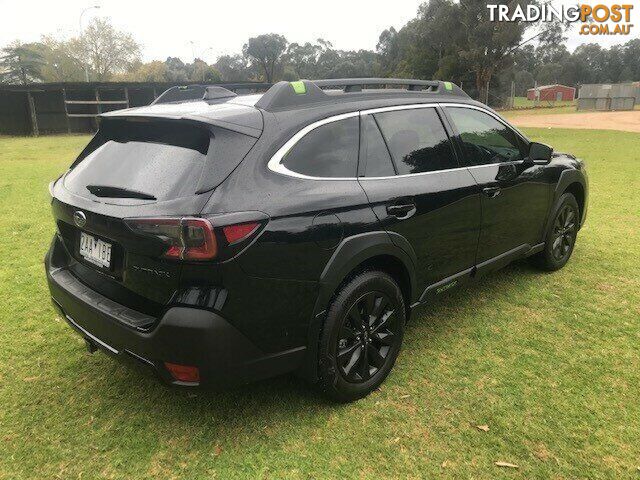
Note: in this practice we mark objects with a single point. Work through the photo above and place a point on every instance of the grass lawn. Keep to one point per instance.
(524, 102)
(549, 362)
(540, 111)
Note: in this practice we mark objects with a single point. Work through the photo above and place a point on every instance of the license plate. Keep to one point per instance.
(95, 250)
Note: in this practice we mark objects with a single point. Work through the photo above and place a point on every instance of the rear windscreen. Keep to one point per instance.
(163, 160)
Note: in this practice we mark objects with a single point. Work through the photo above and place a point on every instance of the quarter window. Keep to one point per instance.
(330, 150)
(417, 140)
(485, 140)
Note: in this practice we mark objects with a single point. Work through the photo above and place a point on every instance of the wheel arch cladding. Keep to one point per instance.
(577, 190)
(572, 181)
(394, 267)
(366, 250)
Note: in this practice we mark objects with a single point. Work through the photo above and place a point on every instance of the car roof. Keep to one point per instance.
(292, 104)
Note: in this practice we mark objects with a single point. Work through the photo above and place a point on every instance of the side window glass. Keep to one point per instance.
(331, 150)
(373, 150)
(417, 140)
(485, 140)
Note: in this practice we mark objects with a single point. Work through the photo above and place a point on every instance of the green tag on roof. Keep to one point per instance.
(299, 87)
(448, 86)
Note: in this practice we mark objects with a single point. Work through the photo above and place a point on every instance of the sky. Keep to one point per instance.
(207, 29)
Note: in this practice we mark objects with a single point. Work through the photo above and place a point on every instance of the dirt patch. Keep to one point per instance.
(624, 121)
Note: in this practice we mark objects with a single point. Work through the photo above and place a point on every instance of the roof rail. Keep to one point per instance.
(288, 95)
(186, 93)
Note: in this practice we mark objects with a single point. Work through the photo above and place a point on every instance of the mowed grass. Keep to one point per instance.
(549, 362)
(524, 102)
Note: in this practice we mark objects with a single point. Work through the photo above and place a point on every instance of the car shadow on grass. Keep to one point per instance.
(276, 403)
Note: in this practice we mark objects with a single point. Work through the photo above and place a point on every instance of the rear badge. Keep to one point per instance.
(79, 218)
(152, 271)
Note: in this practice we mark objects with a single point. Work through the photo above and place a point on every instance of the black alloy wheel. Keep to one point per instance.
(366, 337)
(564, 232)
(361, 336)
(561, 235)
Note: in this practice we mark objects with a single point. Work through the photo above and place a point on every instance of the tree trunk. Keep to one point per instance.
(483, 77)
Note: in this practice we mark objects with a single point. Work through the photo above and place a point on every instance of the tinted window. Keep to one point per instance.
(164, 160)
(417, 140)
(374, 152)
(486, 140)
(331, 150)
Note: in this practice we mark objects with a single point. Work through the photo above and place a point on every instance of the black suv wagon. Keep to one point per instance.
(219, 238)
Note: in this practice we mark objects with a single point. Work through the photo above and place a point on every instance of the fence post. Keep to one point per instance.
(99, 108)
(513, 94)
(34, 115)
(66, 112)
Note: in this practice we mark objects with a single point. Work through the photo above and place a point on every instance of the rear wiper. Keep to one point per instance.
(117, 192)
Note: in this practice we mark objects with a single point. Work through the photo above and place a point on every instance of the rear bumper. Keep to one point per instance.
(184, 336)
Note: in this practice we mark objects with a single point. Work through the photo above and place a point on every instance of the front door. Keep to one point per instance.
(418, 191)
(515, 195)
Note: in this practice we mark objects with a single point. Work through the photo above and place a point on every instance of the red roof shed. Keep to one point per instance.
(551, 93)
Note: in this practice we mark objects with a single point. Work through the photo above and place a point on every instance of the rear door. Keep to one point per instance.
(515, 194)
(418, 190)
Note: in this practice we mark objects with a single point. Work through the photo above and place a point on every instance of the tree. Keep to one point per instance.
(21, 63)
(549, 74)
(234, 68)
(486, 46)
(303, 59)
(59, 63)
(105, 50)
(631, 61)
(200, 71)
(176, 70)
(266, 52)
(524, 81)
(155, 71)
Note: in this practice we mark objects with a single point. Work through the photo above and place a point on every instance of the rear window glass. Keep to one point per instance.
(158, 159)
(331, 150)
(417, 140)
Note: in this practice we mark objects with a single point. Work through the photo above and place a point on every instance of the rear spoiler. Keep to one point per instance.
(195, 119)
(188, 93)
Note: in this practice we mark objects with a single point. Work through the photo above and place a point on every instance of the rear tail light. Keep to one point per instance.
(237, 233)
(195, 239)
(188, 238)
(183, 373)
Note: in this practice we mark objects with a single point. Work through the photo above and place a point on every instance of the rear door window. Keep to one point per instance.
(417, 140)
(373, 150)
(330, 150)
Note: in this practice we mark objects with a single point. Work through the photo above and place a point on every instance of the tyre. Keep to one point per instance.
(561, 235)
(361, 337)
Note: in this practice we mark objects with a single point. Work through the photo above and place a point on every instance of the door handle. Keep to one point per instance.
(491, 192)
(401, 210)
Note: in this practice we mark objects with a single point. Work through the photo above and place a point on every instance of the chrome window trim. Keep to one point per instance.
(494, 115)
(275, 162)
(276, 166)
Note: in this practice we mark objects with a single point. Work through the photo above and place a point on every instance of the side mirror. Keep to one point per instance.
(540, 152)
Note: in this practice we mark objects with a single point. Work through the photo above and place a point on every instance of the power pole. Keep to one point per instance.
(86, 67)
